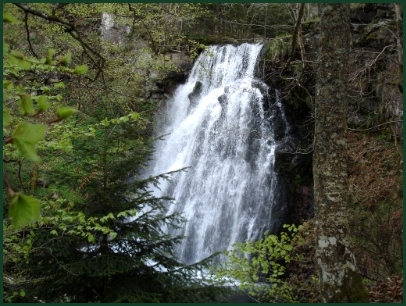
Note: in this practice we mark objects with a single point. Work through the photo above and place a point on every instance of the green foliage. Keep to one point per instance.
(100, 237)
(81, 69)
(22, 136)
(64, 112)
(26, 136)
(43, 103)
(279, 47)
(7, 119)
(23, 210)
(259, 266)
(9, 18)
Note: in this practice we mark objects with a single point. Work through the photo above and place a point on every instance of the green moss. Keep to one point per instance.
(311, 24)
(353, 290)
(279, 48)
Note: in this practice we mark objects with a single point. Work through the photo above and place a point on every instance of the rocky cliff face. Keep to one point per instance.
(376, 92)
(375, 89)
(375, 86)
(159, 83)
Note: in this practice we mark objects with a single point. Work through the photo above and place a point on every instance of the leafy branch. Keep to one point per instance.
(70, 28)
(22, 136)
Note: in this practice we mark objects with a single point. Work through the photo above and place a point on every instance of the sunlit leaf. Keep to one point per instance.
(50, 55)
(23, 210)
(134, 116)
(65, 112)
(43, 103)
(45, 89)
(27, 150)
(30, 133)
(18, 58)
(7, 85)
(9, 18)
(25, 136)
(105, 122)
(90, 238)
(6, 48)
(65, 61)
(112, 235)
(124, 119)
(26, 105)
(59, 85)
(7, 119)
(81, 69)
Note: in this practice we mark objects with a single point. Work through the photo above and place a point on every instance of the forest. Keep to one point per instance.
(84, 86)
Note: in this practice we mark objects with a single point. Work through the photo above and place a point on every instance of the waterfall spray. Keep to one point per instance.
(218, 125)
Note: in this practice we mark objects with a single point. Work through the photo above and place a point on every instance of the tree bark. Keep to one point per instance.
(339, 279)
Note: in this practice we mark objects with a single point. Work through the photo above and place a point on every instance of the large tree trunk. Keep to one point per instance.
(339, 279)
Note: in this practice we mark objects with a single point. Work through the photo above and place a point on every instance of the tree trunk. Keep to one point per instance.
(339, 279)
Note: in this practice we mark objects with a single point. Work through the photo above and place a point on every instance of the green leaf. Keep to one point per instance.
(27, 150)
(82, 69)
(6, 48)
(288, 247)
(65, 61)
(122, 214)
(25, 136)
(124, 119)
(7, 119)
(30, 133)
(17, 58)
(64, 112)
(134, 116)
(50, 55)
(105, 122)
(9, 18)
(59, 98)
(45, 88)
(90, 238)
(7, 85)
(43, 103)
(22, 293)
(59, 85)
(273, 238)
(26, 105)
(23, 210)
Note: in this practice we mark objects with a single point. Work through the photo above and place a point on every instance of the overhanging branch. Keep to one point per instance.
(96, 58)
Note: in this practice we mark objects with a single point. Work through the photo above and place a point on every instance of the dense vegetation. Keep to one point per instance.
(80, 223)
(78, 133)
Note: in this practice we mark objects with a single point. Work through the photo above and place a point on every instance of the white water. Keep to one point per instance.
(223, 134)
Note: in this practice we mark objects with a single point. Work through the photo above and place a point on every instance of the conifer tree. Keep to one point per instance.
(105, 241)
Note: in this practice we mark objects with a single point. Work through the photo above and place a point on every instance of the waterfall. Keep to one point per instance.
(219, 124)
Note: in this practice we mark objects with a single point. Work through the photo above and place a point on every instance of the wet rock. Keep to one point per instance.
(195, 94)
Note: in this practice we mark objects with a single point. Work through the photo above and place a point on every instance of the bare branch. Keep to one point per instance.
(70, 28)
(28, 35)
(375, 126)
(367, 65)
(295, 34)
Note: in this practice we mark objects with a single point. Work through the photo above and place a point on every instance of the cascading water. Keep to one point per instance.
(220, 125)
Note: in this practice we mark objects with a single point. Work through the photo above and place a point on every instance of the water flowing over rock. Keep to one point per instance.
(220, 125)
